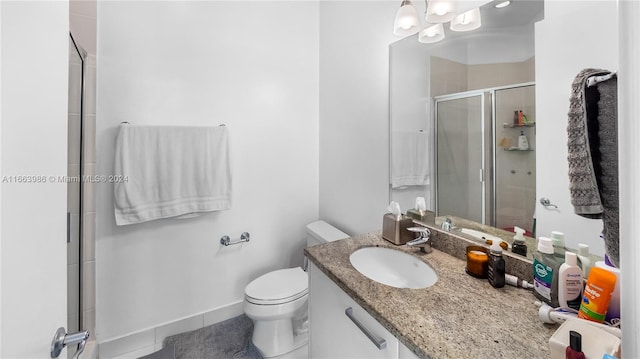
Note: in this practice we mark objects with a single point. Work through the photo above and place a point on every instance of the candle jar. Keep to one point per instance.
(477, 261)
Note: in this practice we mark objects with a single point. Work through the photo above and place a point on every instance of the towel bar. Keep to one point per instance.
(226, 241)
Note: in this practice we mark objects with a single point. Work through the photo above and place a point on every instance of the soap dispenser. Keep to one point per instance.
(523, 143)
(496, 266)
(519, 246)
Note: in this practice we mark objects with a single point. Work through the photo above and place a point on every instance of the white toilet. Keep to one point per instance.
(277, 303)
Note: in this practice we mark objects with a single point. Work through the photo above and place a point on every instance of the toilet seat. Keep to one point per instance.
(278, 287)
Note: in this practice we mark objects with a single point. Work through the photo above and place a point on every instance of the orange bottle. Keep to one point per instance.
(597, 294)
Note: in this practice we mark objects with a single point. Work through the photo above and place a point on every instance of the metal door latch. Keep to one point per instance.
(61, 339)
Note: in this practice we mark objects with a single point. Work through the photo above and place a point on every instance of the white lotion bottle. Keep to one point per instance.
(523, 143)
(570, 283)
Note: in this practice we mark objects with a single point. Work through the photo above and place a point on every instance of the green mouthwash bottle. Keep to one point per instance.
(545, 272)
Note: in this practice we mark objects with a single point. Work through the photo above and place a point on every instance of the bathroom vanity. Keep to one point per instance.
(335, 334)
(457, 317)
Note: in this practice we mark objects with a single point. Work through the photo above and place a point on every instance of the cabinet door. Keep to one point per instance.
(334, 335)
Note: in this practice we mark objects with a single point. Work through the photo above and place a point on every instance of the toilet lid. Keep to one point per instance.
(278, 287)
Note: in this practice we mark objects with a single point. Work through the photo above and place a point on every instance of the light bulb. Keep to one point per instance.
(406, 21)
(441, 9)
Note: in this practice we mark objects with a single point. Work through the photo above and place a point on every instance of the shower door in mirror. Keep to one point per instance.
(460, 162)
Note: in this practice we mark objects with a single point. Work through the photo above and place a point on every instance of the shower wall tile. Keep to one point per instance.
(86, 8)
(72, 323)
(73, 137)
(90, 94)
(73, 195)
(89, 196)
(89, 286)
(89, 236)
(72, 282)
(89, 322)
(89, 139)
(83, 29)
(74, 246)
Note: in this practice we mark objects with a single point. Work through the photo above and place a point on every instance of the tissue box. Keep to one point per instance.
(425, 217)
(396, 231)
(595, 341)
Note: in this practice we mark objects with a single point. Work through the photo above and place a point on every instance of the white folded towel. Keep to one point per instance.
(170, 171)
(410, 159)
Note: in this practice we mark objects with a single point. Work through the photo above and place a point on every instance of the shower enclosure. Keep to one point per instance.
(481, 173)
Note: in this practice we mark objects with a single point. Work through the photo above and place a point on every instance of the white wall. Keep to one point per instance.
(33, 142)
(250, 65)
(580, 45)
(354, 130)
(629, 131)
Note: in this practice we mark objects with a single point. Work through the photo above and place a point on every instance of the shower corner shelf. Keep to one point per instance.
(513, 125)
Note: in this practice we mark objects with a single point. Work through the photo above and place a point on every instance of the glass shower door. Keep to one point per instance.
(460, 162)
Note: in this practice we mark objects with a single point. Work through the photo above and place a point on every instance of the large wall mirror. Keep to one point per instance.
(454, 117)
(458, 109)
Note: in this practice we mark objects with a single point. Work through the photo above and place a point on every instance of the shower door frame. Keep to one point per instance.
(434, 116)
(82, 54)
(488, 134)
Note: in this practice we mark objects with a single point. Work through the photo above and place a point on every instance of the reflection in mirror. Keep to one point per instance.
(454, 129)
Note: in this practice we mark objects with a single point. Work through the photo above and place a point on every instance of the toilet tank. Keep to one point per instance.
(320, 232)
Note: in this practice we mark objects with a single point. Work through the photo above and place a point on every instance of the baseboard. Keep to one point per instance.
(146, 341)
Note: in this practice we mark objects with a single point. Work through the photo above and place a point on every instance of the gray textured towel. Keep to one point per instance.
(607, 168)
(593, 154)
(583, 184)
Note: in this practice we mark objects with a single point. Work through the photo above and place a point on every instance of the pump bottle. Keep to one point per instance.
(558, 245)
(570, 282)
(519, 246)
(496, 266)
(545, 273)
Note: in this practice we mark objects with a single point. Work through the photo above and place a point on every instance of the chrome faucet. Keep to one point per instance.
(423, 241)
(447, 225)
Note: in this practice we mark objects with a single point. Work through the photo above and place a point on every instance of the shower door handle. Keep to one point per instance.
(62, 339)
(482, 175)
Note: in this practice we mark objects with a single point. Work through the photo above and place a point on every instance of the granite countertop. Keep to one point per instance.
(458, 317)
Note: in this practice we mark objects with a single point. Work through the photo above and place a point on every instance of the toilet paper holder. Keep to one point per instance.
(226, 240)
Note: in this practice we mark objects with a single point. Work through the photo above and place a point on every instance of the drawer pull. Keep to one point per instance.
(379, 342)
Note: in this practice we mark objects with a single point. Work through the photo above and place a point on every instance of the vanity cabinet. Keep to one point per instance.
(333, 334)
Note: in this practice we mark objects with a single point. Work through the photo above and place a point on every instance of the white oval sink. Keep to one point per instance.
(393, 268)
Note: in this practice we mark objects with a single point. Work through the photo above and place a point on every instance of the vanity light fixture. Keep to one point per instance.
(406, 22)
(431, 34)
(467, 21)
(440, 11)
(503, 4)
